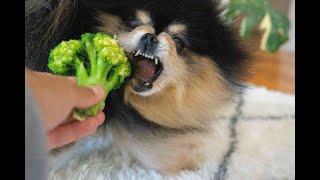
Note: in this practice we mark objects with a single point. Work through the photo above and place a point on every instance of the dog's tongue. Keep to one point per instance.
(145, 69)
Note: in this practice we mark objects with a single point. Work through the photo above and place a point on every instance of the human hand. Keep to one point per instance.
(57, 96)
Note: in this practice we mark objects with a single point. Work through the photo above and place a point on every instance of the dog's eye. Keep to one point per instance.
(179, 43)
(133, 23)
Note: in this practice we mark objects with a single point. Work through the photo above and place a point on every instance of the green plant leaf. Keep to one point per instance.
(274, 25)
(246, 27)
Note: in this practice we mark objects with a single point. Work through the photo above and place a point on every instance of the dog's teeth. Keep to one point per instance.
(137, 53)
(156, 60)
(147, 83)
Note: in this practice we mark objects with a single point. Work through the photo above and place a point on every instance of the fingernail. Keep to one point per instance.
(98, 90)
(101, 121)
(101, 118)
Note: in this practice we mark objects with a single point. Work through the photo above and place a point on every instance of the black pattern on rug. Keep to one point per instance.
(220, 174)
(263, 118)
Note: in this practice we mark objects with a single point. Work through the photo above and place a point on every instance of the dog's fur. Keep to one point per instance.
(168, 127)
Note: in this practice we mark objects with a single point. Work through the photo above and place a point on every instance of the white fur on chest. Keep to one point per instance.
(265, 147)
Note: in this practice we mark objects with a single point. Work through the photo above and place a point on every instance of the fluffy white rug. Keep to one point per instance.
(262, 146)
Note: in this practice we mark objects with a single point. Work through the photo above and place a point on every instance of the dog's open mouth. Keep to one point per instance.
(146, 70)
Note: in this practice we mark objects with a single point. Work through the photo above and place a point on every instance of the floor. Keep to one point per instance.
(275, 71)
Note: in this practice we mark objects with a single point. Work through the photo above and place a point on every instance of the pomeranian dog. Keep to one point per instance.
(186, 64)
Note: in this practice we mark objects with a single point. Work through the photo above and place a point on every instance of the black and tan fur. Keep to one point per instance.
(169, 127)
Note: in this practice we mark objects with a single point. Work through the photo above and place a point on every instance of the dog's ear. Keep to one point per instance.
(108, 23)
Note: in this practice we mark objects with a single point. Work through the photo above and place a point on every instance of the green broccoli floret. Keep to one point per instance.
(95, 59)
(63, 59)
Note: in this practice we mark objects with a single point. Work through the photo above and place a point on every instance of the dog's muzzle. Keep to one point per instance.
(148, 43)
(146, 65)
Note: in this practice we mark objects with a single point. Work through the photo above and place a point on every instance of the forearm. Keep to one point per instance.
(36, 87)
(35, 148)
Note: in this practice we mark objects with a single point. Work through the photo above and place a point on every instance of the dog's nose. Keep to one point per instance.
(149, 39)
(149, 42)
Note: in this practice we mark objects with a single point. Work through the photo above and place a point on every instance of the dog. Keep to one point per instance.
(186, 61)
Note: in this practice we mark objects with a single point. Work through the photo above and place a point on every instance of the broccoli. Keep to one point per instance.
(95, 59)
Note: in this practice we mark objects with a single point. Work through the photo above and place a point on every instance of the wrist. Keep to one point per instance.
(34, 83)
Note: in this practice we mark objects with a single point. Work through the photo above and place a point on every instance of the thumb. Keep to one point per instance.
(85, 97)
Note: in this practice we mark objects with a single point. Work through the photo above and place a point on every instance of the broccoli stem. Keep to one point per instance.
(91, 56)
(112, 82)
(97, 77)
(101, 72)
(81, 73)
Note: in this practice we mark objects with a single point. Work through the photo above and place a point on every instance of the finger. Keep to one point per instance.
(73, 131)
(68, 120)
(72, 79)
(85, 97)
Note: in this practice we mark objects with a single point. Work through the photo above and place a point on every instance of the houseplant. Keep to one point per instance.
(259, 13)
